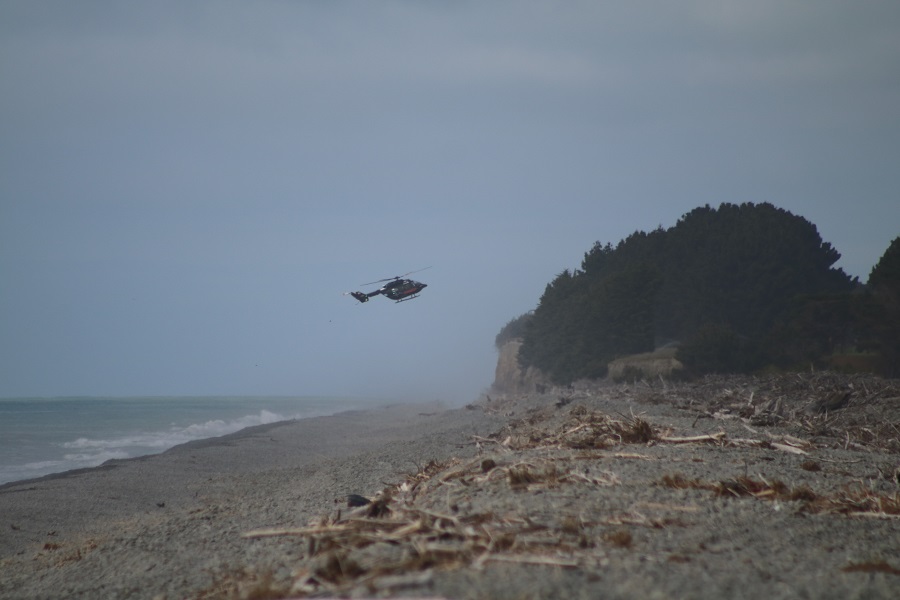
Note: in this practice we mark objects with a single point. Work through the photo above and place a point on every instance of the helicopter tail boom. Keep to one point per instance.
(364, 297)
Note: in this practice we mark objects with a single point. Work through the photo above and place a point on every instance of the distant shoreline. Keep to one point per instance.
(117, 462)
(219, 420)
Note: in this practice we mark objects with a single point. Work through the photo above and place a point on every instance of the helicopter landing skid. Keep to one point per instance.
(407, 298)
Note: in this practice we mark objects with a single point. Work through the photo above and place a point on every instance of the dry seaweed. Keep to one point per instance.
(680, 482)
(428, 540)
(877, 566)
(747, 486)
(620, 538)
(857, 500)
(848, 411)
(401, 539)
(854, 500)
(362, 548)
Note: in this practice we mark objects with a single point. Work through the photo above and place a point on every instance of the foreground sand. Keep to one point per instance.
(727, 488)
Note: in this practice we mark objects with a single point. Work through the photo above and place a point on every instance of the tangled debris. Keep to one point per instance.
(403, 544)
(469, 514)
(842, 410)
(854, 500)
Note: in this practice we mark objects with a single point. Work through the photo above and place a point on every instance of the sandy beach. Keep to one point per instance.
(732, 488)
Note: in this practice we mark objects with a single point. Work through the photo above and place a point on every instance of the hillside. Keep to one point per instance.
(735, 289)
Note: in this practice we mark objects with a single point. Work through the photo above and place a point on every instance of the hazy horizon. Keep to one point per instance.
(187, 189)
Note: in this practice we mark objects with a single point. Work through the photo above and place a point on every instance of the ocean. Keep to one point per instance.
(40, 436)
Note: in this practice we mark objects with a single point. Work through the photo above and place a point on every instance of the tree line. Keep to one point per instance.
(736, 288)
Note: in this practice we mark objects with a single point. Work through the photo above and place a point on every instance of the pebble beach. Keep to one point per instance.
(614, 491)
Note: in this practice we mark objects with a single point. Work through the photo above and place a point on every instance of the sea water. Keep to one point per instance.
(41, 436)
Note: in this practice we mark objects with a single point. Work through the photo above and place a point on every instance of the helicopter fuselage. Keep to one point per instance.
(402, 289)
(397, 290)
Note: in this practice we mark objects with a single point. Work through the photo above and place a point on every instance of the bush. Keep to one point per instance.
(717, 349)
(512, 330)
(630, 374)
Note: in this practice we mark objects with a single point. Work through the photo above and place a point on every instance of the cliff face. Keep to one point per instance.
(510, 377)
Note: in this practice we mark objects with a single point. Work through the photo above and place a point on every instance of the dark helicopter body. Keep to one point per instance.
(397, 289)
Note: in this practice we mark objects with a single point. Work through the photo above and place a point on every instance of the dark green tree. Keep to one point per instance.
(882, 310)
(551, 339)
(587, 318)
(742, 265)
(514, 329)
(713, 348)
(885, 275)
(720, 278)
(816, 327)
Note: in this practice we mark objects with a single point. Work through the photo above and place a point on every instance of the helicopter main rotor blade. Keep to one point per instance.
(416, 271)
(380, 280)
(394, 278)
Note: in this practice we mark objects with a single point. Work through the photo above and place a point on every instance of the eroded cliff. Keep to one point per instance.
(510, 377)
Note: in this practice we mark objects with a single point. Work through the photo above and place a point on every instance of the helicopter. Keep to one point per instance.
(397, 288)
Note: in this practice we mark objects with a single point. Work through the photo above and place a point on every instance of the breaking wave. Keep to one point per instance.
(163, 440)
(92, 452)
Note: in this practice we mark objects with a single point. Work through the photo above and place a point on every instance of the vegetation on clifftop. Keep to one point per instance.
(739, 288)
(881, 312)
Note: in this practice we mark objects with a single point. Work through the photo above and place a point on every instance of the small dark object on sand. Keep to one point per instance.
(562, 401)
(354, 500)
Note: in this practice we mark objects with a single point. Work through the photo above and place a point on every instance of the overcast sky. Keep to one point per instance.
(187, 188)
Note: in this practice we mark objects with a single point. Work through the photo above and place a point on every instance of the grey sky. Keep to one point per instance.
(186, 188)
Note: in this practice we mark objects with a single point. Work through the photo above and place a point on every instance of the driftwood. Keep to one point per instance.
(694, 439)
(419, 531)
